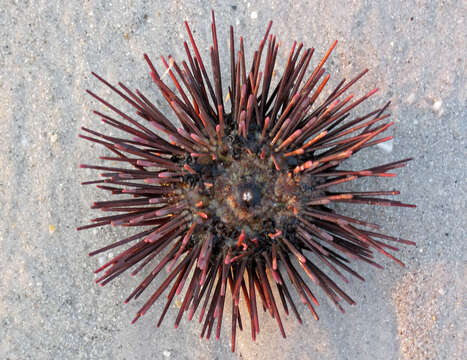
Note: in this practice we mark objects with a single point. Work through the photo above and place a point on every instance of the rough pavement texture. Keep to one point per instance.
(49, 306)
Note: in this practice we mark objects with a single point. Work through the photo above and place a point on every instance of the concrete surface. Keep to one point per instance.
(49, 306)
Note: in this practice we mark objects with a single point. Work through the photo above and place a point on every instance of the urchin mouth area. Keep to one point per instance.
(249, 194)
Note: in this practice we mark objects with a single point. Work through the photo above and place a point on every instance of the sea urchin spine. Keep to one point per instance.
(235, 200)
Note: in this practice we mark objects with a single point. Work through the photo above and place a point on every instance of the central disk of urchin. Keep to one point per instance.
(247, 198)
(237, 200)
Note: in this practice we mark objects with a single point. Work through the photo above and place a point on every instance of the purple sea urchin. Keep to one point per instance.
(235, 200)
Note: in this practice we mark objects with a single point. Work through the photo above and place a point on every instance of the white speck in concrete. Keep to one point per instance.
(387, 146)
(254, 15)
(101, 260)
(411, 98)
(437, 105)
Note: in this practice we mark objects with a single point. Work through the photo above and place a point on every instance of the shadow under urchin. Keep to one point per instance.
(237, 201)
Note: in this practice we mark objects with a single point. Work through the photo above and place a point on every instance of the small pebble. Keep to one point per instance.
(437, 105)
(411, 98)
(387, 146)
(101, 260)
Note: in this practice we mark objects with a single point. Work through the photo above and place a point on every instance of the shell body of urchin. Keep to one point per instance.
(236, 202)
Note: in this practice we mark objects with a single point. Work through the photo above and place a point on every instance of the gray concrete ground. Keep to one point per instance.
(49, 305)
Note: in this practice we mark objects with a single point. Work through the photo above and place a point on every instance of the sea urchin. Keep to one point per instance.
(235, 200)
